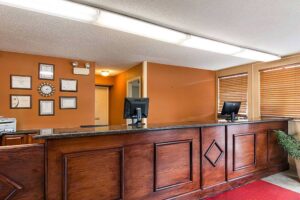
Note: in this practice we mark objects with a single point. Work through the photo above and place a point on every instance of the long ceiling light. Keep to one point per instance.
(138, 27)
(256, 55)
(79, 12)
(210, 45)
(61, 8)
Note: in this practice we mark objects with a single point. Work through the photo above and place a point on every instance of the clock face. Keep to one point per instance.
(46, 89)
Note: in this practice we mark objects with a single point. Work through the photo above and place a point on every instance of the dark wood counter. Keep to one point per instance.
(184, 161)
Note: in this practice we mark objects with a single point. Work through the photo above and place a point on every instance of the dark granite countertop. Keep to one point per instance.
(123, 129)
(20, 132)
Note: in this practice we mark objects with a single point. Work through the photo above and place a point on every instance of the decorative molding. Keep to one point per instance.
(214, 144)
(234, 150)
(156, 146)
(11, 184)
(68, 156)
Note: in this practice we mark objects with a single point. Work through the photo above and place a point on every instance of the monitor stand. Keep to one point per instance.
(232, 117)
(138, 116)
(137, 123)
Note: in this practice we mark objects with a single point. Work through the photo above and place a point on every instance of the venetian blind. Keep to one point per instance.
(280, 92)
(233, 88)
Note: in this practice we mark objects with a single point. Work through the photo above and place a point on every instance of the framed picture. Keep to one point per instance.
(68, 85)
(20, 82)
(18, 101)
(68, 102)
(46, 107)
(46, 71)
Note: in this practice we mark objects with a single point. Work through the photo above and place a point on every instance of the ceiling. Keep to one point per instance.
(266, 25)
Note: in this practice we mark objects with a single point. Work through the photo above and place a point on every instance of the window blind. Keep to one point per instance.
(233, 88)
(280, 91)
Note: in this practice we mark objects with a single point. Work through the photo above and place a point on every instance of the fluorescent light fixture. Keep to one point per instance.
(80, 12)
(138, 27)
(210, 45)
(104, 73)
(61, 8)
(256, 55)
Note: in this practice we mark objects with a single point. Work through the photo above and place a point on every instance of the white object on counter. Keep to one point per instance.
(8, 125)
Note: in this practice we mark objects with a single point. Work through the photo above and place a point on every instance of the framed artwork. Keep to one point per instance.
(20, 82)
(68, 102)
(46, 71)
(68, 85)
(18, 101)
(46, 107)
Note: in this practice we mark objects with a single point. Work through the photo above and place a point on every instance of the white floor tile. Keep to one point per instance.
(288, 180)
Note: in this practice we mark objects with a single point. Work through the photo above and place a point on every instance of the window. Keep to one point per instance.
(280, 91)
(233, 88)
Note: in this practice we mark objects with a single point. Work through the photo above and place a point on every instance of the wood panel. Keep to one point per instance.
(244, 154)
(241, 143)
(254, 151)
(101, 171)
(173, 164)
(139, 153)
(13, 139)
(22, 172)
(213, 156)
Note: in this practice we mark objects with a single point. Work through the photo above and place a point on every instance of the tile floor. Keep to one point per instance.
(288, 180)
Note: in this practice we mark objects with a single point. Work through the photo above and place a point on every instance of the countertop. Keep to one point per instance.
(61, 133)
(50, 133)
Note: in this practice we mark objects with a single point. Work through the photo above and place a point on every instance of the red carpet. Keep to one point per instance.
(259, 190)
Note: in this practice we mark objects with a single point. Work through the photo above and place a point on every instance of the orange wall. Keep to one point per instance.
(105, 81)
(179, 94)
(25, 64)
(119, 91)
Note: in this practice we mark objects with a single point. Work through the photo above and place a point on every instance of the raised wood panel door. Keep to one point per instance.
(252, 147)
(166, 165)
(247, 149)
(22, 172)
(213, 156)
(101, 171)
(173, 164)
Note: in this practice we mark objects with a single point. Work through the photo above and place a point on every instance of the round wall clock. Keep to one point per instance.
(46, 89)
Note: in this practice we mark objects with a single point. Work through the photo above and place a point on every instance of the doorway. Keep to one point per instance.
(134, 88)
(101, 105)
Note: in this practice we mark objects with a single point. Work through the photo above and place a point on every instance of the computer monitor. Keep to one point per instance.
(136, 109)
(231, 108)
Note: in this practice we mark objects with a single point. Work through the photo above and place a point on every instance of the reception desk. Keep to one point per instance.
(169, 161)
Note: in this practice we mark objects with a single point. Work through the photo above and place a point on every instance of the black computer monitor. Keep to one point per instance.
(231, 109)
(136, 109)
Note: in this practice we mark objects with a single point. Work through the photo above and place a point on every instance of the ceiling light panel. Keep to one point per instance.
(256, 55)
(61, 8)
(80, 12)
(138, 27)
(210, 45)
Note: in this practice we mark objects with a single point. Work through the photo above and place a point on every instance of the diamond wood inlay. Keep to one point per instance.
(8, 188)
(214, 153)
